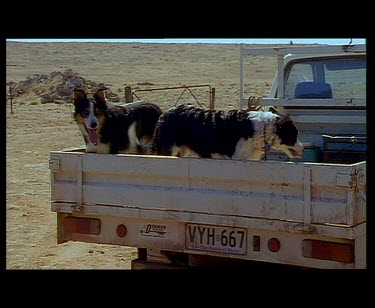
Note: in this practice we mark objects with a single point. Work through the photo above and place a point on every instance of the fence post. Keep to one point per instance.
(128, 94)
(212, 99)
(11, 98)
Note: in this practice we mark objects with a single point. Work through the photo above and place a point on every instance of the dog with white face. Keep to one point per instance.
(113, 129)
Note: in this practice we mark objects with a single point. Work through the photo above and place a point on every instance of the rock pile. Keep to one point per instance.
(56, 87)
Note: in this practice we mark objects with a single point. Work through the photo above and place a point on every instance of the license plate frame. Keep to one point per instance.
(214, 238)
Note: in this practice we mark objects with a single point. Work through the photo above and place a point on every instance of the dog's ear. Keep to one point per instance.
(272, 109)
(100, 93)
(282, 117)
(275, 111)
(78, 95)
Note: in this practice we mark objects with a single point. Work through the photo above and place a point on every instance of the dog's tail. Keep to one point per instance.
(143, 146)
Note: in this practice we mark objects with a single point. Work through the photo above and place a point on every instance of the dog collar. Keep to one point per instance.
(267, 147)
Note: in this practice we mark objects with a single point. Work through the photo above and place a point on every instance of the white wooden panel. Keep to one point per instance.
(261, 189)
(220, 203)
(64, 191)
(199, 201)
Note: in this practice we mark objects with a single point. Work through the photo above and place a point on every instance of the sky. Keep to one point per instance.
(328, 41)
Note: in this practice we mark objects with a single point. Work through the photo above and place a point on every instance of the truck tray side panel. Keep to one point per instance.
(304, 192)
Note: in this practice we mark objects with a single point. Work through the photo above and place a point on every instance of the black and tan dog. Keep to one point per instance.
(113, 129)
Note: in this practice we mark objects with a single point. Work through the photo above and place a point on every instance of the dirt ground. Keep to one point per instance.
(35, 129)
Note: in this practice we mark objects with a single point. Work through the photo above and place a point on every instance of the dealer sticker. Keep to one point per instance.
(153, 230)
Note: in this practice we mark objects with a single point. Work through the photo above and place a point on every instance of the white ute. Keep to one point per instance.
(191, 212)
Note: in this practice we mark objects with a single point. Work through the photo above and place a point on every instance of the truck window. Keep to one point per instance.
(326, 78)
(347, 79)
(299, 72)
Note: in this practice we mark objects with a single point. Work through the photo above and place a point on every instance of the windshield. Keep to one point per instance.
(326, 78)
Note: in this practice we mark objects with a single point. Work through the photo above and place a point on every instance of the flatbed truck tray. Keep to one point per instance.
(308, 193)
(187, 204)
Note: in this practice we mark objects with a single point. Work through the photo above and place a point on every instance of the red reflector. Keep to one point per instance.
(121, 230)
(274, 244)
(82, 225)
(323, 250)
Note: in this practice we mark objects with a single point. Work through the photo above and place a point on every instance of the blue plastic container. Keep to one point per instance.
(311, 153)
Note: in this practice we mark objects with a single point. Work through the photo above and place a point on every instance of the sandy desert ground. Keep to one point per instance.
(34, 129)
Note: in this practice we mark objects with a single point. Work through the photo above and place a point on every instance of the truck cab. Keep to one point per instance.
(323, 90)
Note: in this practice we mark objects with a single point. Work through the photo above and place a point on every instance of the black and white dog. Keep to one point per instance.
(113, 129)
(186, 130)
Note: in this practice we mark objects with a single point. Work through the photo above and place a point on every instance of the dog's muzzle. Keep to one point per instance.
(297, 150)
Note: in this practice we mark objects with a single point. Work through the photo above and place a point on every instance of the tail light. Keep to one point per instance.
(82, 225)
(274, 244)
(340, 252)
(121, 230)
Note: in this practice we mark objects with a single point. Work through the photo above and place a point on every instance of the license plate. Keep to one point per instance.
(216, 239)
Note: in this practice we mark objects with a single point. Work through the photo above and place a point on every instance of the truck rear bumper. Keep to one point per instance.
(282, 243)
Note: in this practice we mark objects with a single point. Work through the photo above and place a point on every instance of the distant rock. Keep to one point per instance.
(56, 87)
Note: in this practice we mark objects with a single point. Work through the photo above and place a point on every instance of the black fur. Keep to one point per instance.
(118, 120)
(187, 130)
(204, 131)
